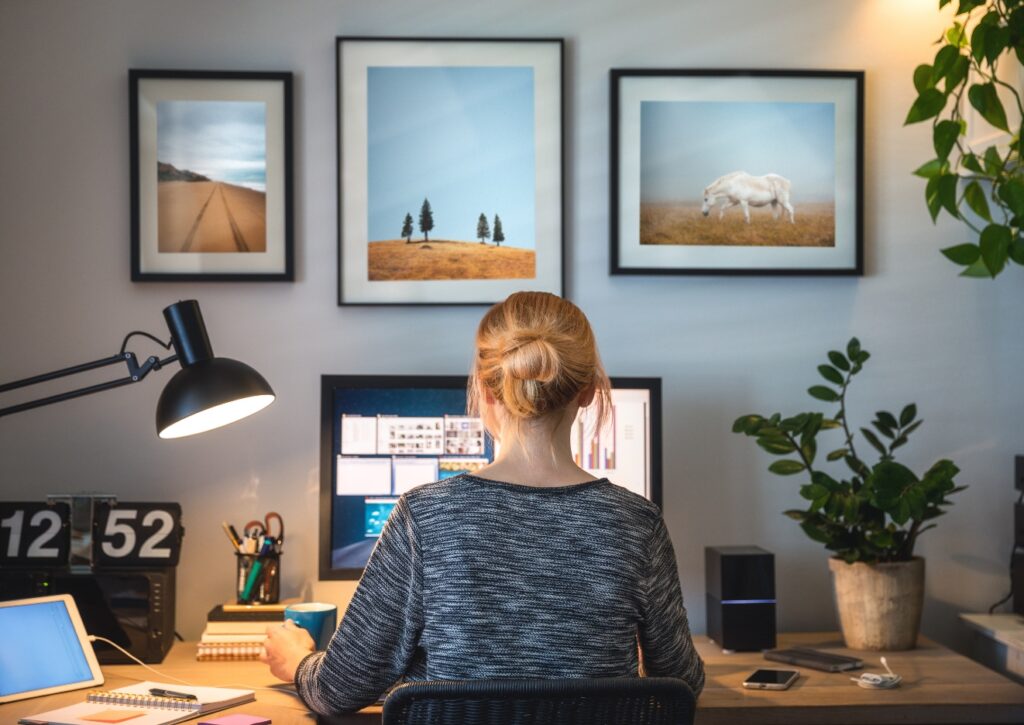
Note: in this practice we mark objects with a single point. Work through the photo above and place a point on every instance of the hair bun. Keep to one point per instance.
(530, 357)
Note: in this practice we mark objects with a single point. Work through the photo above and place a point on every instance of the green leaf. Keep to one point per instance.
(995, 247)
(958, 73)
(931, 196)
(822, 393)
(808, 447)
(888, 419)
(963, 254)
(839, 360)
(930, 169)
(797, 514)
(956, 35)
(970, 162)
(912, 427)
(815, 532)
(829, 424)
(873, 440)
(997, 41)
(929, 104)
(787, 467)
(975, 198)
(831, 374)
(944, 137)
(776, 446)
(979, 38)
(837, 454)
(984, 98)
(1012, 193)
(747, 424)
(891, 483)
(884, 429)
(977, 269)
(856, 466)
(944, 60)
(924, 78)
(853, 348)
(993, 161)
(965, 5)
(1017, 250)
(946, 190)
(907, 415)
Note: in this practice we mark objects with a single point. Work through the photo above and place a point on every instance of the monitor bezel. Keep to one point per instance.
(329, 383)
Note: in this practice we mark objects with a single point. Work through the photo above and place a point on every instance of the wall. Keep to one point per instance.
(724, 346)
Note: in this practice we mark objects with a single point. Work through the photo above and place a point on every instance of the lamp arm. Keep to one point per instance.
(136, 372)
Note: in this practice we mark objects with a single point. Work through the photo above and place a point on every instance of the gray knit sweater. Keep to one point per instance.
(477, 579)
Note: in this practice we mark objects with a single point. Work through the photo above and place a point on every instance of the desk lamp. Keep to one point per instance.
(206, 393)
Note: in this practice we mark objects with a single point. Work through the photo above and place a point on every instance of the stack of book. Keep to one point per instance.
(237, 631)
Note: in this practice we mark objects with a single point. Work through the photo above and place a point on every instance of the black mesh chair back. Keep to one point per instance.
(610, 701)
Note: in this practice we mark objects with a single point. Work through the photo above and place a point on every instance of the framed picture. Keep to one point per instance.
(450, 155)
(211, 156)
(737, 172)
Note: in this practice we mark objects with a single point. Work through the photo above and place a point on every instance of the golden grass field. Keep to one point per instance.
(682, 223)
(444, 259)
(210, 216)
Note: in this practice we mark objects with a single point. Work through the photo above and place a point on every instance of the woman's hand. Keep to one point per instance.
(285, 648)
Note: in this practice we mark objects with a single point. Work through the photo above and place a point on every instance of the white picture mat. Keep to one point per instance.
(842, 92)
(413, 472)
(355, 58)
(153, 91)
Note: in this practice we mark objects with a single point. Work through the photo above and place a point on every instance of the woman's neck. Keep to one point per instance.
(538, 455)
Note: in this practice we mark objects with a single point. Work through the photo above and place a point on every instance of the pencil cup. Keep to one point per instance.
(258, 578)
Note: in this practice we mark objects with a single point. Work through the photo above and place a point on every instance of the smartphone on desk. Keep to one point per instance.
(763, 679)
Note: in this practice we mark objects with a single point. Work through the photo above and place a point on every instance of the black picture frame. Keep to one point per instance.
(630, 256)
(353, 262)
(273, 257)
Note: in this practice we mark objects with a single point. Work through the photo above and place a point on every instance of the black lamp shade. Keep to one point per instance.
(210, 393)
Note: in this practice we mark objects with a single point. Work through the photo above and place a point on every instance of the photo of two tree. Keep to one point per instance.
(483, 229)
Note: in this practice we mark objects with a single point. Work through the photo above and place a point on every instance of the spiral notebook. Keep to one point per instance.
(133, 705)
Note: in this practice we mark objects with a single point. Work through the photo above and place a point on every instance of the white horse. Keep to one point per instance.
(741, 188)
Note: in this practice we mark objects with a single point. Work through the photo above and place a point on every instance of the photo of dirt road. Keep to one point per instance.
(210, 216)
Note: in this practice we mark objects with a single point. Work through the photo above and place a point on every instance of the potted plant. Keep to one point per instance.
(983, 187)
(870, 519)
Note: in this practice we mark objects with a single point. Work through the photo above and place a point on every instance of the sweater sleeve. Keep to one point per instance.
(379, 634)
(664, 633)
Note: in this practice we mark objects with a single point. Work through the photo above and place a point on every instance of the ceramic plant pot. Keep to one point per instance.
(879, 604)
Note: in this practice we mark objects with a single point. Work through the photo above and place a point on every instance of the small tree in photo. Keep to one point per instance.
(426, 220)
(483, 230)
(499, 234)
(407, 228)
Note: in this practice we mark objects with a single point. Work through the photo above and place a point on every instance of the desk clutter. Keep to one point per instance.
(138, 705)
(258, 559)
(237, 632)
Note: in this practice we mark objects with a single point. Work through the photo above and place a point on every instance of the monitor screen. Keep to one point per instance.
(384, 435)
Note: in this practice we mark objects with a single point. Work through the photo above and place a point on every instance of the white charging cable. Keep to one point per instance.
(115, 645)
(871, 681)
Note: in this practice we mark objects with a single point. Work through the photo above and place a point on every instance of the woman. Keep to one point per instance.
(530, 567)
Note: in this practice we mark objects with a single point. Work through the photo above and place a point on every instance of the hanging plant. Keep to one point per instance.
(988, 182)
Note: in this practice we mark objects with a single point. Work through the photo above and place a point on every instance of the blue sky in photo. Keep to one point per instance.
(224, 140)
(462, 137)
(685, 145)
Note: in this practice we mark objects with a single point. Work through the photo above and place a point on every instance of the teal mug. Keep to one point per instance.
(316, 618)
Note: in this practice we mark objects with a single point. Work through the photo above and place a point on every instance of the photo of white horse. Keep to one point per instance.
(741, 188)
(769, 159)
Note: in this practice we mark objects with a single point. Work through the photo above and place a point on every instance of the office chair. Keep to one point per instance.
(605, 701)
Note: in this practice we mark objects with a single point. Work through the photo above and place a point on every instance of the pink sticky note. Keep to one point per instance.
(238, 719)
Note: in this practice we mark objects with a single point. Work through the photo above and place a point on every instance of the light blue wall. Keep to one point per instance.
(724, 346)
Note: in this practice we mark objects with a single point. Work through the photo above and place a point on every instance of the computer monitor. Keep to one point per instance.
(382, 435)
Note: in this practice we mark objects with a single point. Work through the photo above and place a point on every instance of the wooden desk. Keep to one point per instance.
(939, 687)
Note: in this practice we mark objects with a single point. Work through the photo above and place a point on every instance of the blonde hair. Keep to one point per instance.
(535, 355)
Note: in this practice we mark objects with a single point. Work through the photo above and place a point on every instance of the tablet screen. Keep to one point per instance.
(41, 648)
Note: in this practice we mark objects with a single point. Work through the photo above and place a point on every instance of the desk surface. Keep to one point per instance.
(939, 686)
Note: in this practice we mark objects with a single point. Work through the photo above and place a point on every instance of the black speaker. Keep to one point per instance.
(740, 597)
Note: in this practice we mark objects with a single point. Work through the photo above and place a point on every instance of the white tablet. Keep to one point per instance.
(44, 648)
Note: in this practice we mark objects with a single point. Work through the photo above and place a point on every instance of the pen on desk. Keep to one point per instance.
(156, 691)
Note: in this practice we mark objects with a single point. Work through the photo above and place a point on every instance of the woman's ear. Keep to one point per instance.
(587, 396)
(488, 398)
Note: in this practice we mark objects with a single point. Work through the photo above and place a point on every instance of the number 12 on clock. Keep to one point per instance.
(33, 533)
